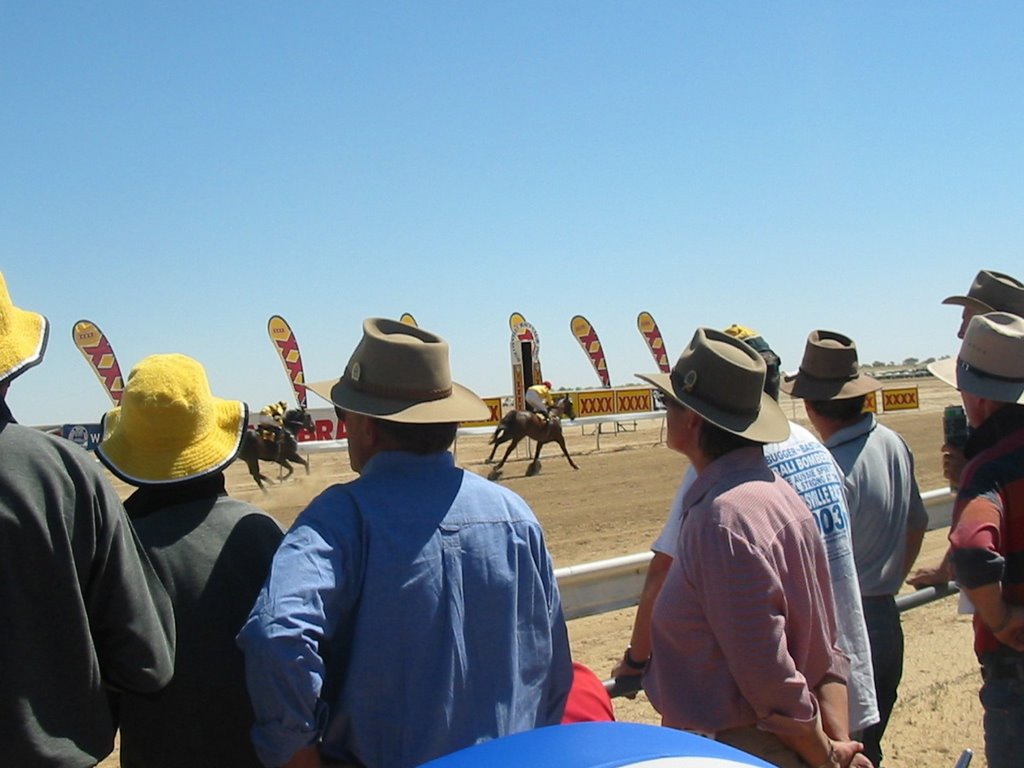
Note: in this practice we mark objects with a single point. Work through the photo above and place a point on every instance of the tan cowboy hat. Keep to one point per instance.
(400, 372)
(23, 336)
(169, 427)
(992, 291)
(991, 360)
(829, 370)
(722, 379)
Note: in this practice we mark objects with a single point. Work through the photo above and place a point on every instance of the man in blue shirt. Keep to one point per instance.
(413, 611)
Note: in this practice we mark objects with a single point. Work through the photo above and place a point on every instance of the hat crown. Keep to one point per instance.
(23, 336)
(398, 361)
(998, 292)
(993, 345)
(829, 356)
(721, 371)
(169, 426)
(167, 399)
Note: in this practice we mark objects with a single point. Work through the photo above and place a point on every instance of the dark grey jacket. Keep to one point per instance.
(81, 609)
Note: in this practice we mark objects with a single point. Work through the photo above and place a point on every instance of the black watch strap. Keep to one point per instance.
(631, 662)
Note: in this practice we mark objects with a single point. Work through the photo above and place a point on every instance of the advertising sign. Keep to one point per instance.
(288, 350)
(96, 350)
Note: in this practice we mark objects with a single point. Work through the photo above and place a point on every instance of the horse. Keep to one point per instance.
(516, 425)
(283, 449)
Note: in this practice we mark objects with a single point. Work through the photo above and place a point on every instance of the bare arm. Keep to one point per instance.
(934, 576)
(835, 708)
(915, 536)
(640, 640)
(1006, 621)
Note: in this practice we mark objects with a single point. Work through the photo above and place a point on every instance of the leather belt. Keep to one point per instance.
(1003, 668)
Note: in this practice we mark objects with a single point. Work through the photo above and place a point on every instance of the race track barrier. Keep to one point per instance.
(608, 585)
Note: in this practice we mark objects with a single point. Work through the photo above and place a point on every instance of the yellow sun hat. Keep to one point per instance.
(23, 336)
(169, 426)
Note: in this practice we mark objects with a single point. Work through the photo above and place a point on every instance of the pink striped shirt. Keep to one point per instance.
(744, 627)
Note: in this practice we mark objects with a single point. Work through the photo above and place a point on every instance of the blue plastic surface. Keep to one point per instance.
(595, 745)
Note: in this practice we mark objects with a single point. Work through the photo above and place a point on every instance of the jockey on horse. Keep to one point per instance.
(539, 399)
(271, 420)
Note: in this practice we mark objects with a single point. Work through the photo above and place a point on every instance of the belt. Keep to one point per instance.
(1003, 668)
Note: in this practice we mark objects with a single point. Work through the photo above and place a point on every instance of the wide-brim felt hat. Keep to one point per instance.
(992, 292)
(721, 378)
(829, 370)
(169, 426)
(23, 336)
(991, 359)
(400, 372)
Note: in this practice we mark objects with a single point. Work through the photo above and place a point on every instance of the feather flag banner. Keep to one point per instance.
(587, 337)
(649, 330)
(288, 350)
(93, 345)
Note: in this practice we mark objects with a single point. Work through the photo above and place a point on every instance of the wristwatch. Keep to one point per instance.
(633, 663)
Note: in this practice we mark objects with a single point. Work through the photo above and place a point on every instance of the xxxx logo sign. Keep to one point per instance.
(596, 404)
(633, 400)
(494, 404)
(903, 399)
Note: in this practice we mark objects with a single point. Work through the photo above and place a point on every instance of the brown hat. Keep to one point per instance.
(722, 379)
(400, 372)
(829, 370)
(23, 336)
(992, 292)
(991, 360)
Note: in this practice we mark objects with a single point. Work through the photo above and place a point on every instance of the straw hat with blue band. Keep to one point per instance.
(169, 426)
(23, 336)
(721, 378)
(400, 372)
(991, 359)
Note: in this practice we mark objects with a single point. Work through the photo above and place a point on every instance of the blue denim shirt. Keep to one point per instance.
(409, 613)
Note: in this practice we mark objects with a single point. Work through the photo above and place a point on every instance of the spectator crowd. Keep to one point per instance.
(414, 612)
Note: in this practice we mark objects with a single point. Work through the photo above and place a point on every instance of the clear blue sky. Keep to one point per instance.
(178, 172)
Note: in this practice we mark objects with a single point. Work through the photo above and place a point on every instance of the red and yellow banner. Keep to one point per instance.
(649, 330)
(587, 337)
(494, 404)
(902, 399)
(635, 400)
(93, 345)
(870, 403)
(596, 403)
(288, 350)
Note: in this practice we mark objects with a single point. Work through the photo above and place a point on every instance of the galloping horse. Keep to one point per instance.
(519, 424)
(282, 450)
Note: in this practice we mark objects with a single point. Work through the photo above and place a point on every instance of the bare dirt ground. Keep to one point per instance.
(616, 504)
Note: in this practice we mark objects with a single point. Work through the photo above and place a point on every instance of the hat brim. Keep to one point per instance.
(970, 302)
(966, 380)
(461, 405)
(806, 388)
(25, 344)
(769, 426)
(163, 463)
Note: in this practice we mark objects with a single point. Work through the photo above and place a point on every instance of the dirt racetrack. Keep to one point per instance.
(616, 504)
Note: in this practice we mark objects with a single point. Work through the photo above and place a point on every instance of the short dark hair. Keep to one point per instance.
(846, 409)
(421, 439)
(715, 442)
